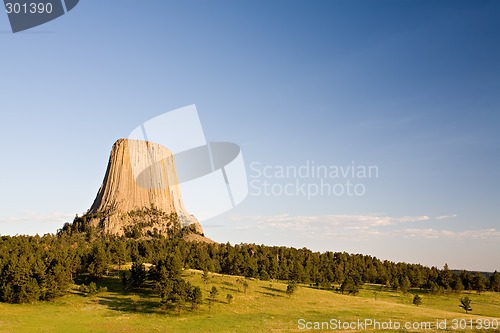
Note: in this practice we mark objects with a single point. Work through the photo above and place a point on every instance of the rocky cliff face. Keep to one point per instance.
(140, 192)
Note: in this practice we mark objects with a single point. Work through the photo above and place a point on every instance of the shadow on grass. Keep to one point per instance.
(231, 289)
(121, 298)
(114, 284)
(276, 290)
(213, 301)
(267, 293)
(127, 304)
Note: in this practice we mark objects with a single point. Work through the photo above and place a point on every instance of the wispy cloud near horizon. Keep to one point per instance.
(362, 226)
(445, 217)
(35, 222)
(37, 217)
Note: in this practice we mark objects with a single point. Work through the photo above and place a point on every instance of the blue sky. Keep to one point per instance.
(408, 86)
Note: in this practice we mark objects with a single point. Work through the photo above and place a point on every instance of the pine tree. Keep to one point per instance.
(479, 283)
(457, 285)
(405, 284)
(349, 285)
(465, 304)
(291, 288)
(138, 274)
(205, 276)
(495, 281)
(214, 293)
(195, 297)
(98, 261)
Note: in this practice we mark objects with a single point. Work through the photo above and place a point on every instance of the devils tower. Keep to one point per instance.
(140, 194)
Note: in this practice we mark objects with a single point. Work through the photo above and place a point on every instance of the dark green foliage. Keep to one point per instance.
(138, 274)
(213, 296)
(457, 284)
(195, 297)
(174, 290)
(166, 273)
(83, 289)
(57, 279)
(214, 293)
(291, 288)
(465, 304)
(37, 268)
(119, 253)
(495, 281)
(91, 289)
(123, 277)
(34, 268)
(98, 261)
(466, 278)
(405, 284)
(205, 276)
(144, 222)
(479, 283)
(179, 291)
(445, 277)
(350, 286)
(245, 286)
(244, 283)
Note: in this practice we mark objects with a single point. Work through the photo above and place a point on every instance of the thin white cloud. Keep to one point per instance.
(31, 223)
(445, 217)
(38, 217)
(450, 234)
(357, 220)
(360, 227)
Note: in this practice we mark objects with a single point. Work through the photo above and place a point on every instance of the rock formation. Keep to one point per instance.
(140, 193)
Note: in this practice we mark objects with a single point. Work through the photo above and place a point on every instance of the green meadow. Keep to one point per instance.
(263, 306)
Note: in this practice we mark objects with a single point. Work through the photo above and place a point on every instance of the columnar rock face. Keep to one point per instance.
(140, 190)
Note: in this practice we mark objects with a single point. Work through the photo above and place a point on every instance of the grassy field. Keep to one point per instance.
(264, 307)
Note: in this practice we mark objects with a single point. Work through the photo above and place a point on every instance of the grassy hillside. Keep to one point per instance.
(264, 307)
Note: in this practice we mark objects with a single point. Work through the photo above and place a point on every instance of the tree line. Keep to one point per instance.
(36, 268)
